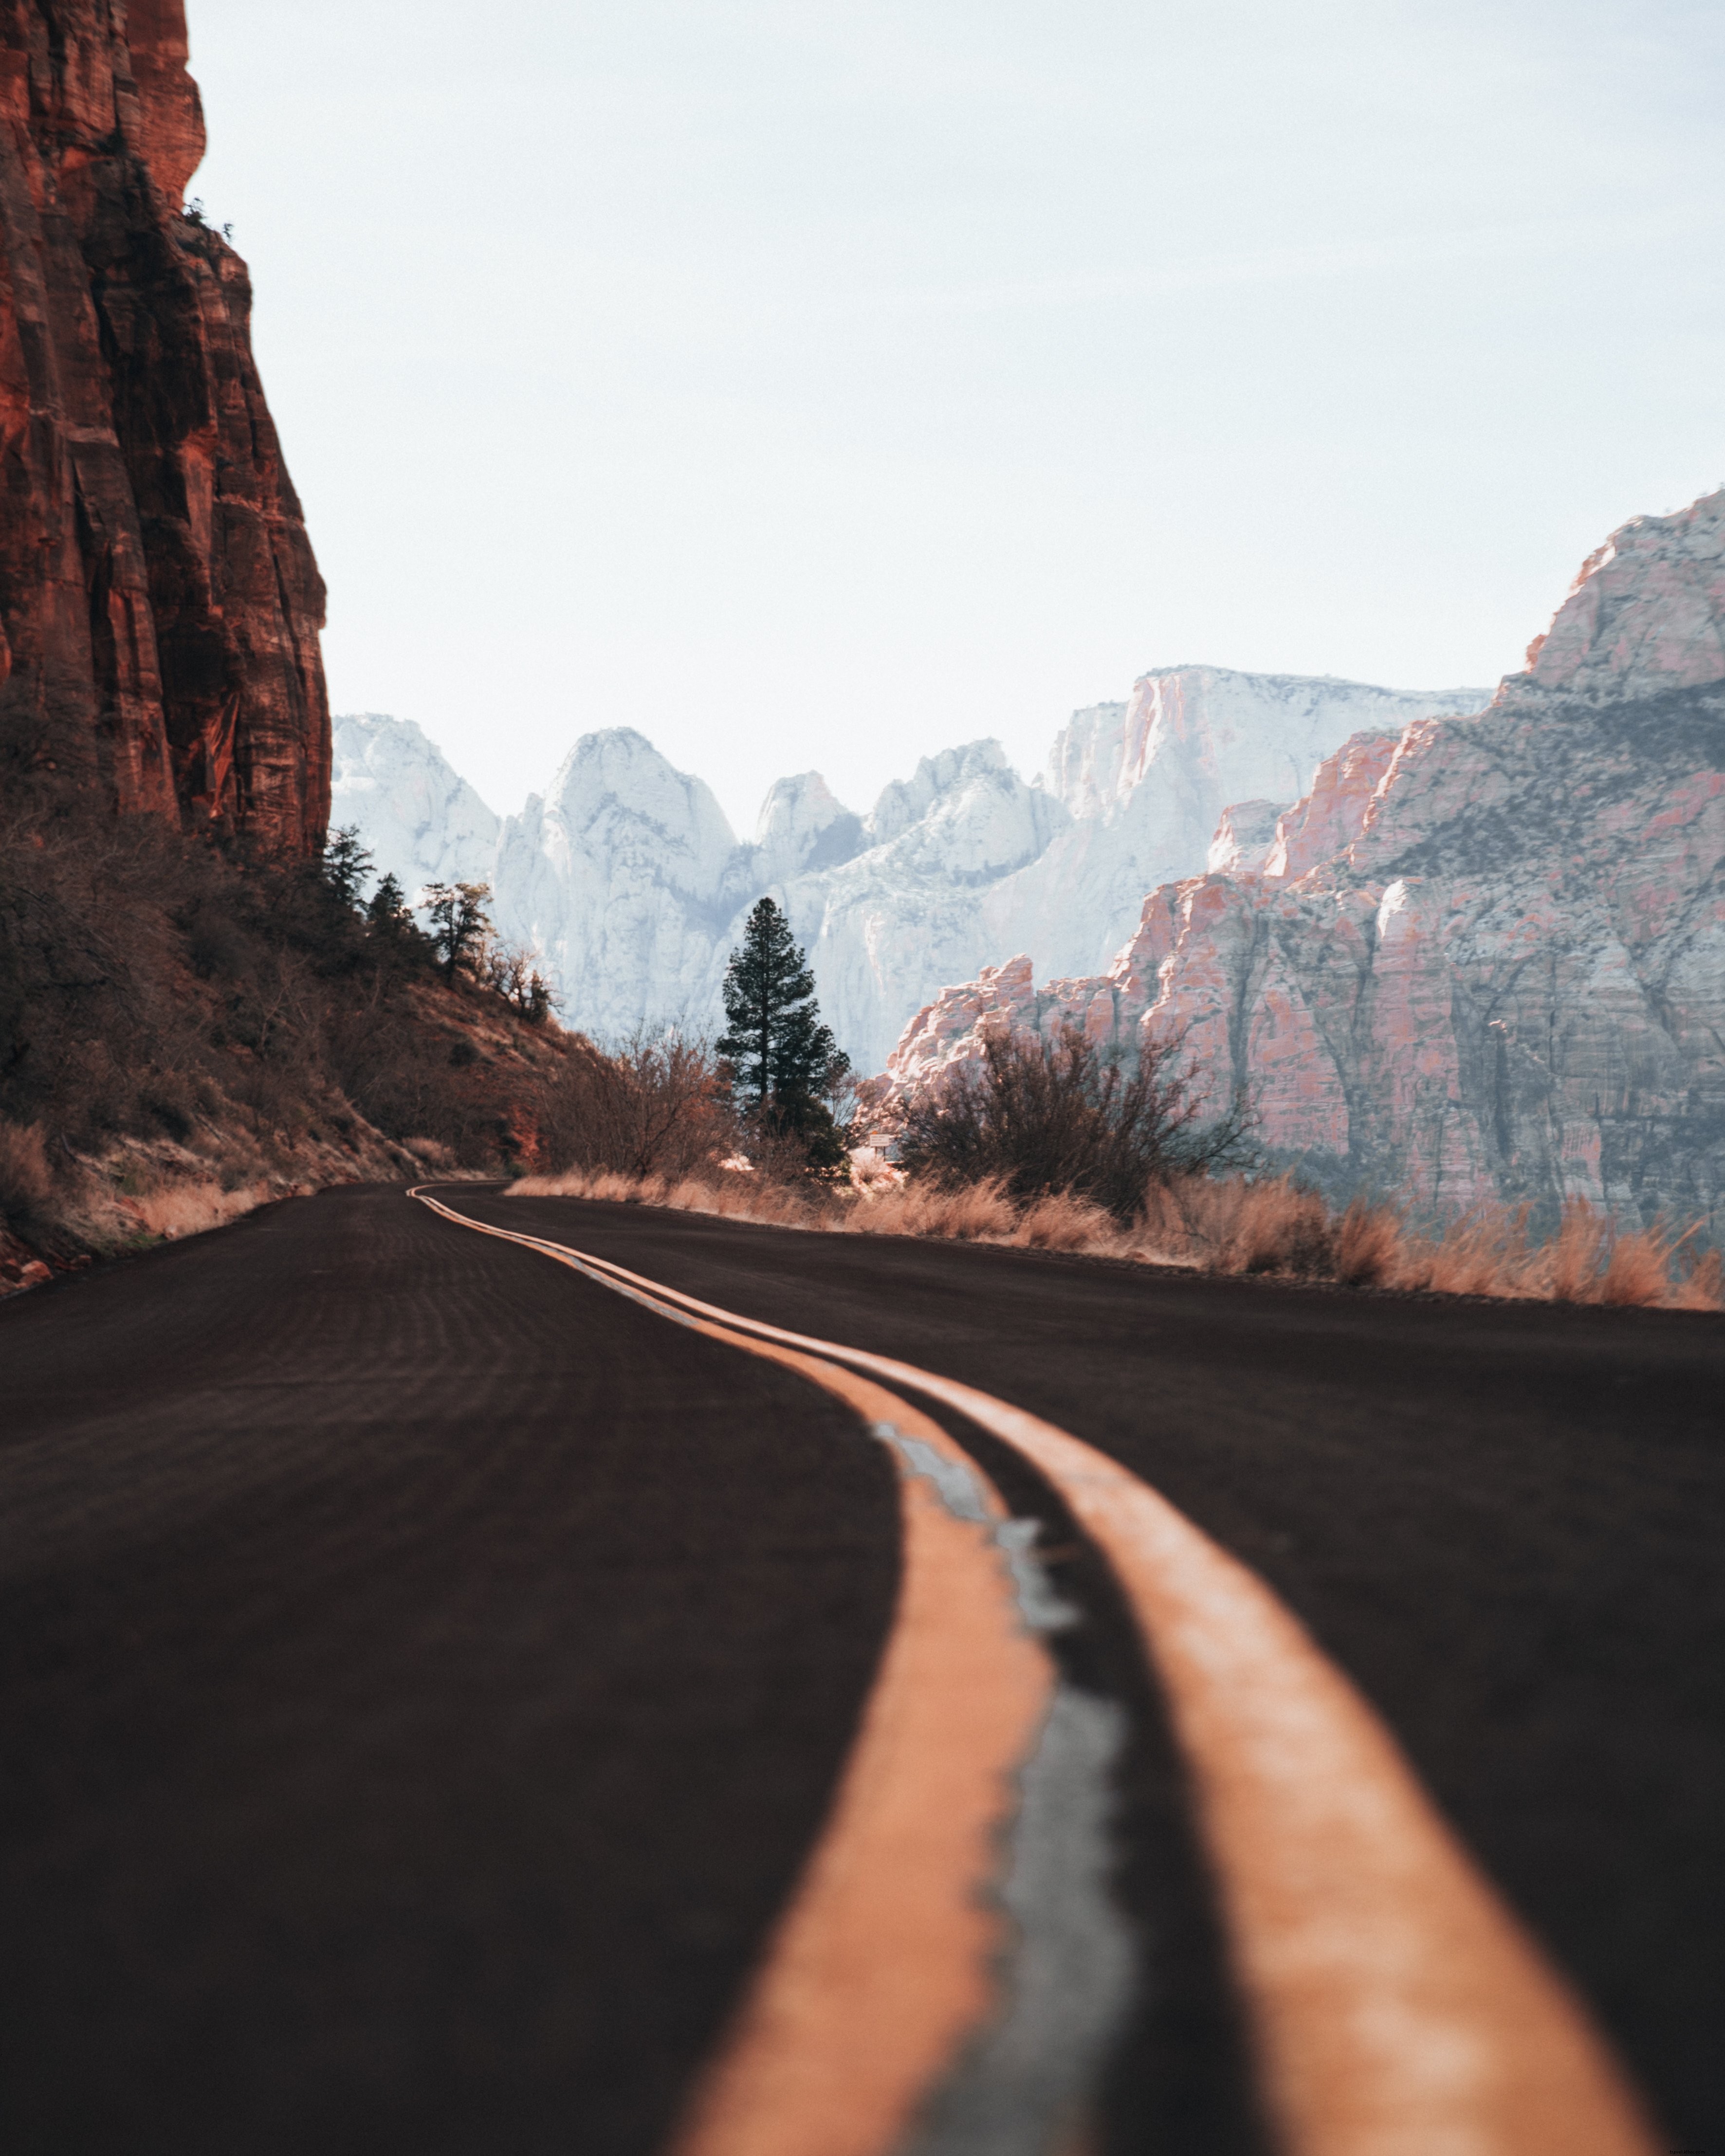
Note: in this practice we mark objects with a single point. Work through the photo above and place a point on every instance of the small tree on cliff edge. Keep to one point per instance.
(459, 926)
(784, 1058)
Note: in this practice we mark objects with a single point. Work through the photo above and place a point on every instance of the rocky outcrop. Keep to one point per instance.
(1486, 957)
(885, 928)
(159, 604)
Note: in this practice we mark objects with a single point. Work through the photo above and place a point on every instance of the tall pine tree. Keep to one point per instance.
(784, 1058)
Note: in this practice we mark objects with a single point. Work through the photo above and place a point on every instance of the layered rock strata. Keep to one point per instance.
(159, 604)
(1483, 956)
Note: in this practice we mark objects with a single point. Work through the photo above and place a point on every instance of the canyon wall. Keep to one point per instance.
(159, 604)
(1483, 956)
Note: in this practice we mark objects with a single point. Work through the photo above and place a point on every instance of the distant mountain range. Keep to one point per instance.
(1484, 955)
(626, 879)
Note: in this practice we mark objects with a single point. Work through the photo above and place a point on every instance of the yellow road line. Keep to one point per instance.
(1398, 2008)
(884, 1964)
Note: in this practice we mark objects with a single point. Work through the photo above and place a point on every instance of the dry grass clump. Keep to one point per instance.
(1230, 1225)
(968, 1213)
(1267, 1226)
(1060, 1220)
(738, 1195)
(187, 1209)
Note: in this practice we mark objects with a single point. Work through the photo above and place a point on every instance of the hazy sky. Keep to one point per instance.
(821, 384)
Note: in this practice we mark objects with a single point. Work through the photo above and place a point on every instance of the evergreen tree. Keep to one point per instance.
(459, 926)
(389, 906)
(784, 1058)
(346, 863)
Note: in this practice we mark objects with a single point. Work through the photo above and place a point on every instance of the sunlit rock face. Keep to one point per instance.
(1244, 836)
(887, 927)
(1486, 957)
(159, 604)
(421, 822)
(617, 877)
(1145, 783)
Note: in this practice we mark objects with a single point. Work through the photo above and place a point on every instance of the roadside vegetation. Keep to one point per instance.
(1038, 1145)
(188, 1027)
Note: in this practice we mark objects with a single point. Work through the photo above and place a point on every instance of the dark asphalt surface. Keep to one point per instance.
(424, 1671)
(1507, 1522)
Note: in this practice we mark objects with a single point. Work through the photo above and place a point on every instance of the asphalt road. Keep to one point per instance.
(424, 1671)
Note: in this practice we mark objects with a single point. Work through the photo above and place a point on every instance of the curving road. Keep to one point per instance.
(432, 1678)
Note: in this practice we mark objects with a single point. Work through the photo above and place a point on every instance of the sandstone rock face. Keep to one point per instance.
(1485, 957)
(159, 604)
(1245, 833)
(1145, 782)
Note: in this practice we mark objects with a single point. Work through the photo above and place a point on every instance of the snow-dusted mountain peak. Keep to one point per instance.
(615, 788)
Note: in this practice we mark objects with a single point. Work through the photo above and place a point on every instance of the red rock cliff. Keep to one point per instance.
(159, 604)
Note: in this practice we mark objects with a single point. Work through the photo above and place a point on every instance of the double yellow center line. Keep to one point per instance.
(1397, 2007)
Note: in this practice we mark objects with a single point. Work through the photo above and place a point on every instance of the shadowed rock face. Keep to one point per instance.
(1484, 957)
(159, 604)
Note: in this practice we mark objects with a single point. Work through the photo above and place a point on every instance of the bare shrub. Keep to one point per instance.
(655, 1105)
(25, 1181)
(1044, 1116)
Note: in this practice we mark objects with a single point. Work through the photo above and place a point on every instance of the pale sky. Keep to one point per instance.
(819, 385)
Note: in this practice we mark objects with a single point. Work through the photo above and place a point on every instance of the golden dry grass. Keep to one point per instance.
(178, 1210)
(1225, 1224)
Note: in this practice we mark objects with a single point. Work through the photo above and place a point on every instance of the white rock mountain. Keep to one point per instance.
(422, 821)
(626, 879)
(1485, 955)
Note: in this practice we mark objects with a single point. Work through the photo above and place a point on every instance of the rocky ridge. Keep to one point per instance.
(159, 604)
(1482, 957)
(626, 879)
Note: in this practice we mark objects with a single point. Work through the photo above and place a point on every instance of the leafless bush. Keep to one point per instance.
(655, 1105)
(1046, 1117)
